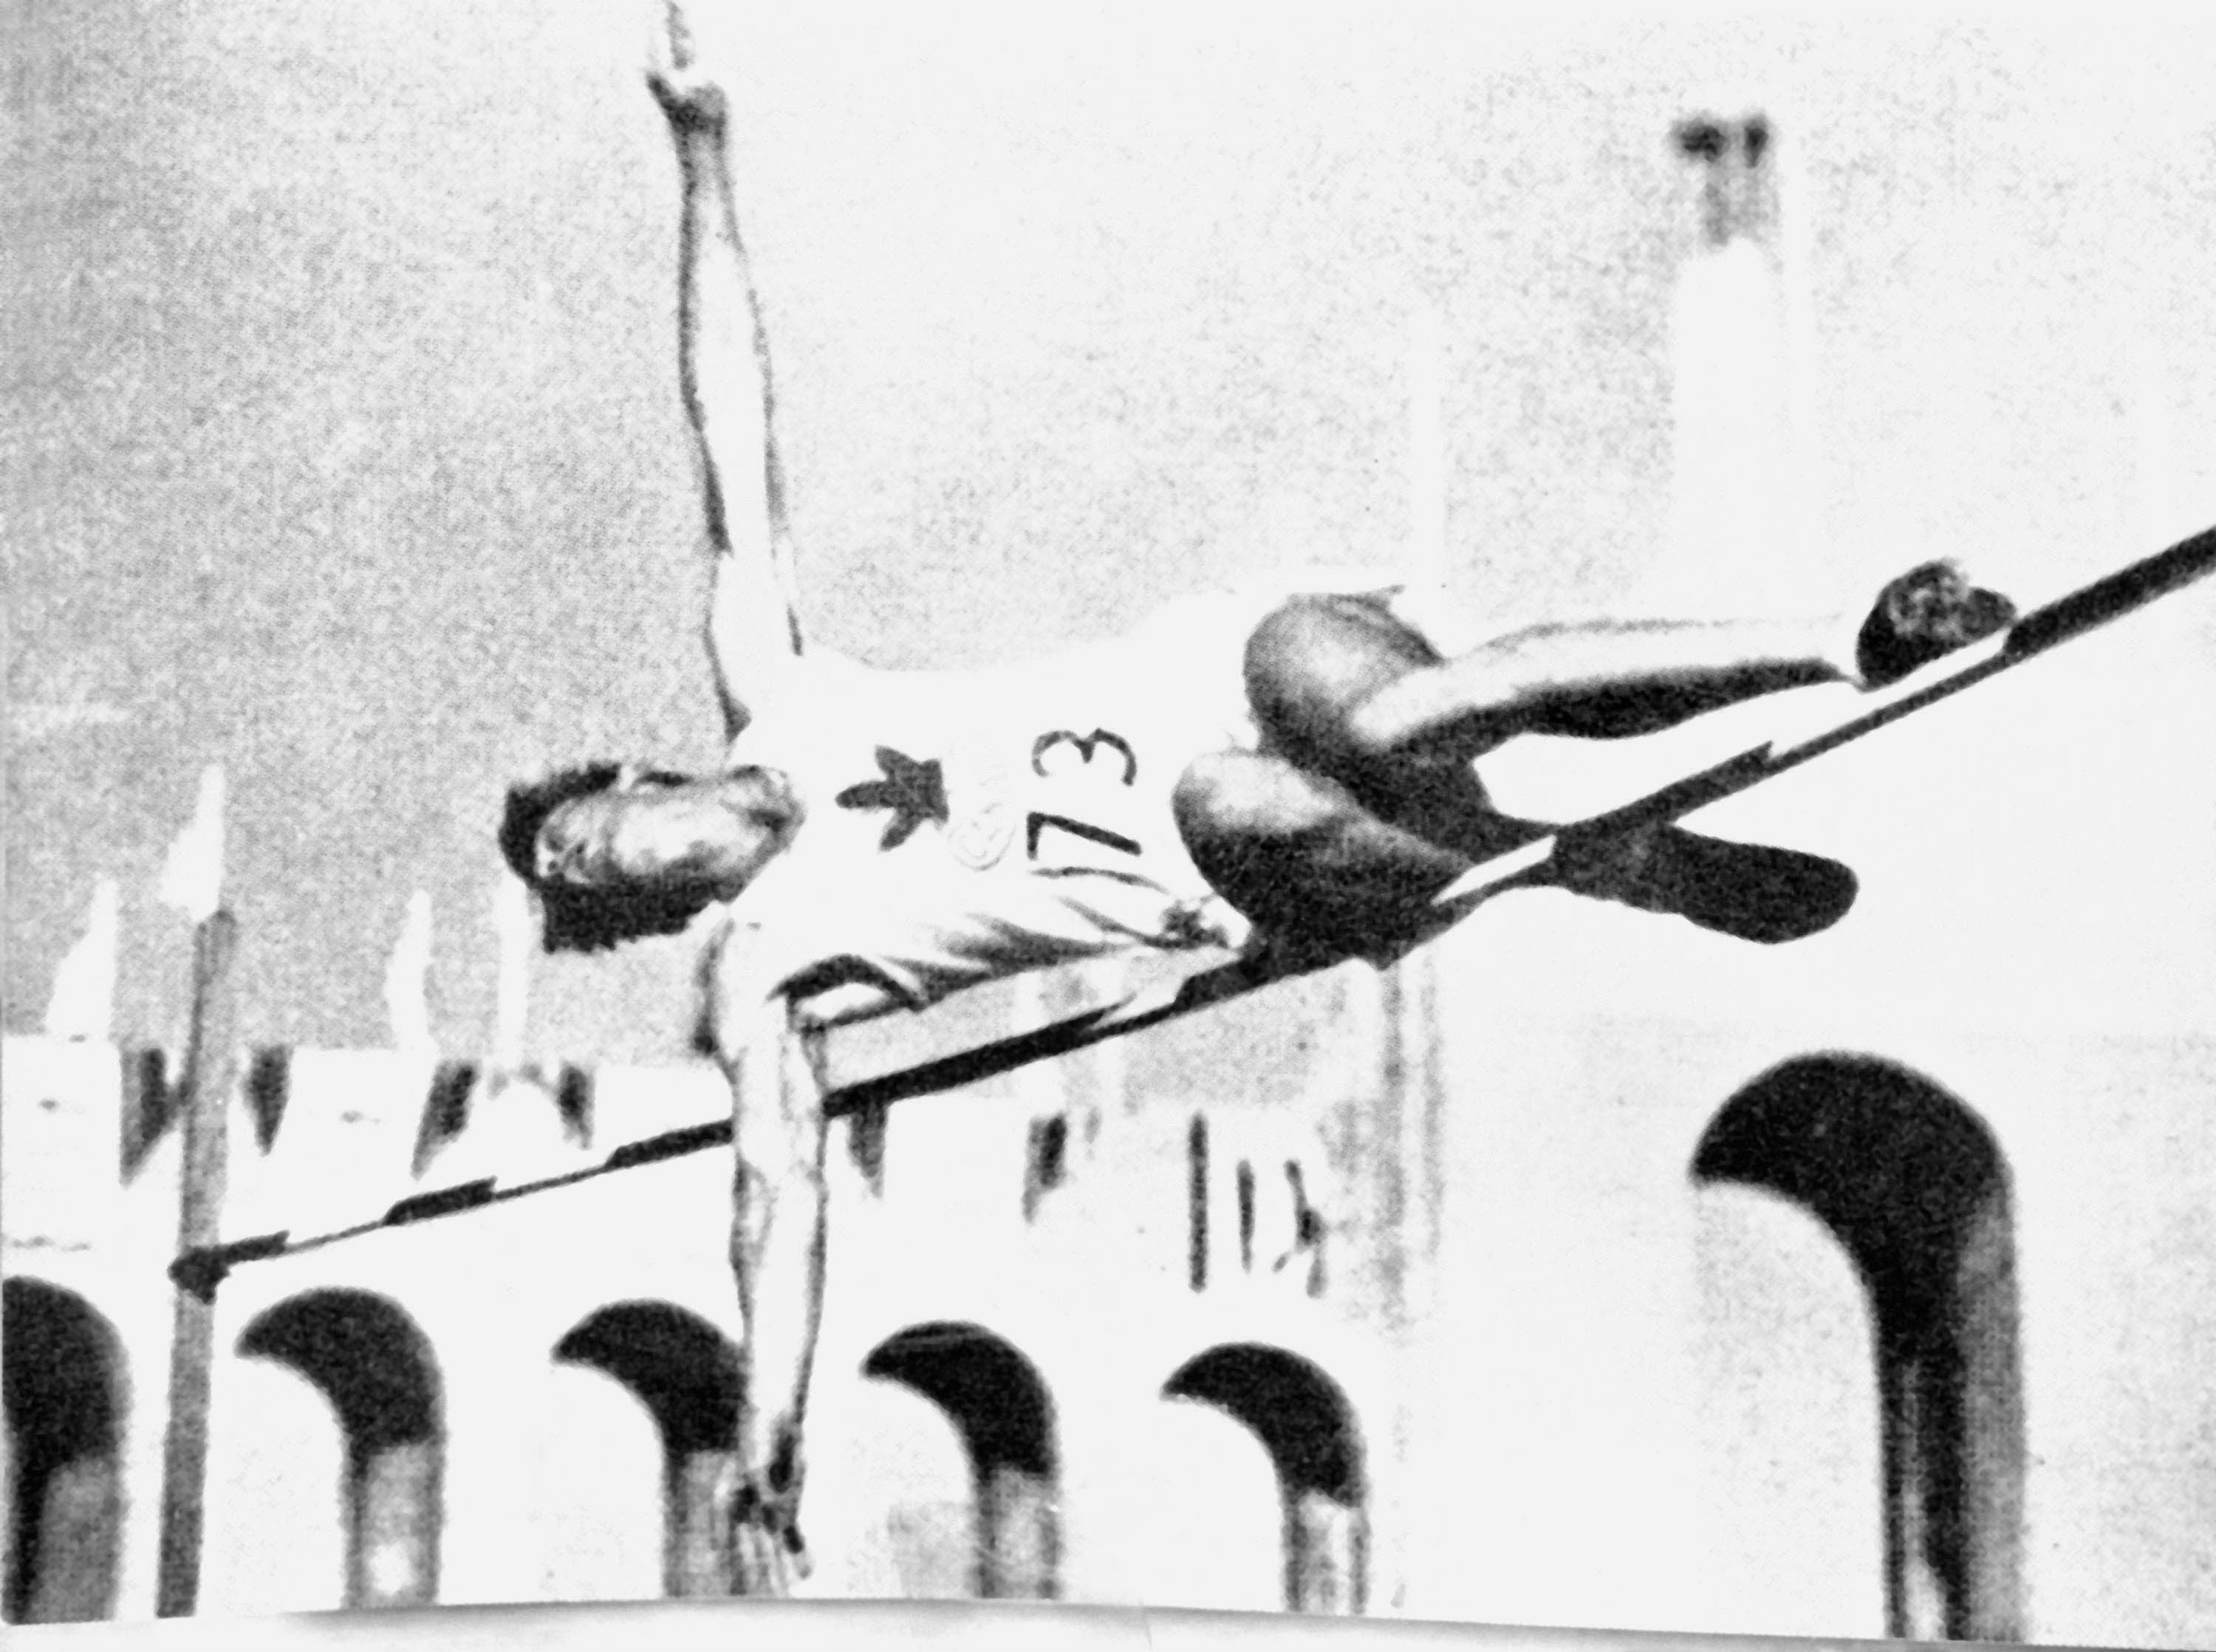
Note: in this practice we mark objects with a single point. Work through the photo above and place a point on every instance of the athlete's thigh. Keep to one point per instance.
(1294, 850)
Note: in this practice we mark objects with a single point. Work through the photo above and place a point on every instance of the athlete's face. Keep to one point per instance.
(655, 829)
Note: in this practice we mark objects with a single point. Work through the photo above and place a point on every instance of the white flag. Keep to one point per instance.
(191, 878)
(408, 979)
(84, 1003)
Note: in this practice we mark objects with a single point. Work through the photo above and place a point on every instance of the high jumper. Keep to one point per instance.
(1275, 772)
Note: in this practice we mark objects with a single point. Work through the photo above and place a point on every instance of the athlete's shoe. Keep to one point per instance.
(1928, 611)
(1752, 890)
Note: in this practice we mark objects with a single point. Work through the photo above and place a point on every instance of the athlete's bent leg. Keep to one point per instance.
(1317, 662)
(1311, 665)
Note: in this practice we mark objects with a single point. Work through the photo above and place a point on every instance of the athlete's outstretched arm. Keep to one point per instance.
(777, 1255)
(754, 627)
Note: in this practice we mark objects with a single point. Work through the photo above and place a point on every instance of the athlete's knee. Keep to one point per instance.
(1313, 661)
(1248, 799)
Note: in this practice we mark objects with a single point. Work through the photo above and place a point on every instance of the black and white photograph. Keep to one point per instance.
(1399, 815)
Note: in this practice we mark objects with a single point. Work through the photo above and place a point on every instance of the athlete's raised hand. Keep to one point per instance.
(691, 98)
(767, 1554)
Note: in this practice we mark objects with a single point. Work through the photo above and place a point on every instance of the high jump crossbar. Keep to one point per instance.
(199, 1269)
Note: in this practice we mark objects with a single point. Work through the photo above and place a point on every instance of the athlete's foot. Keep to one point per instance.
(1749, 891)
(1929, 612)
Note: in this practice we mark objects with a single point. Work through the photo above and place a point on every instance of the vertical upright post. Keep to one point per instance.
(210, 1059)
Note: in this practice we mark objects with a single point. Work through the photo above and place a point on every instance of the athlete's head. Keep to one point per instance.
(617, 852)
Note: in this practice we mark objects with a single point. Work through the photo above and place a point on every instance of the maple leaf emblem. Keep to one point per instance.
(915, 792)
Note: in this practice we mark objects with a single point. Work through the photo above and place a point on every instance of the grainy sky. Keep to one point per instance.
(344, 449)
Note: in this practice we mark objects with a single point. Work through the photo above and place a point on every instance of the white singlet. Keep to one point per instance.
(965, 825)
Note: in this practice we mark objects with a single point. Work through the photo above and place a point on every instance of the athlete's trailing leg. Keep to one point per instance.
(1361, 717)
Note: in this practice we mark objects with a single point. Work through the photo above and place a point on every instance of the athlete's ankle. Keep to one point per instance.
(1843, 644)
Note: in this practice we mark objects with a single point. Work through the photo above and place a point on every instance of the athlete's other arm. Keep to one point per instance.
(753, 626)
(774, 1065)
